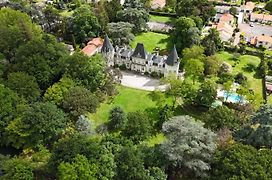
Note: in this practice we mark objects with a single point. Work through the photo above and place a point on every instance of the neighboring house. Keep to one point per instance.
(225, 31)
(261, 18)
(227, 18)
(222, 9)
(94, 46)
(155, 4)
(139, 60)
(264, 41)
(248, 7)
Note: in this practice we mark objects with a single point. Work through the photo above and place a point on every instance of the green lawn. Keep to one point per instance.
(129, 99)
(244, 60)
(161, 19)
(151, 40)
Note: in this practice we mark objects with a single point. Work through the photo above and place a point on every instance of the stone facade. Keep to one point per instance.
(139, 60)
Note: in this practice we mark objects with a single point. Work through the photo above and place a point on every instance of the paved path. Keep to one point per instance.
(141, 82)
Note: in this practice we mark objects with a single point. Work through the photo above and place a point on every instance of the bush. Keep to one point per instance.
(250, 67)
(240, 78)
(154, 74)
(225, 77)
(123, 67)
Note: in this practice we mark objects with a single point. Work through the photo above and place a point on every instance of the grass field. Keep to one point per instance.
(161, 19)
(151, 40)
(244, 60)
(128, 99)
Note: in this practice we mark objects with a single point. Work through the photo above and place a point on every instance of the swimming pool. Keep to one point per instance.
(231, 97)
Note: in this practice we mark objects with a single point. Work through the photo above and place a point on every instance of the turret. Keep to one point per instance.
(108, 51)
(172, 63)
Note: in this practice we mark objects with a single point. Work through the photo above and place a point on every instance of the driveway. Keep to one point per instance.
(141, 82)
(256, 30)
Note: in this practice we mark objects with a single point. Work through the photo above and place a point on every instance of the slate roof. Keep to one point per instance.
(172, 57)
(107, 46)
(139, 51)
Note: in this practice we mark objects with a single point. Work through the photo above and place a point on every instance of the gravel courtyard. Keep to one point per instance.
(141, 82)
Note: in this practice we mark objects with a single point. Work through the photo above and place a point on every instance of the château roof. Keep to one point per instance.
(107, 46)
(173, 57)
(139, 51)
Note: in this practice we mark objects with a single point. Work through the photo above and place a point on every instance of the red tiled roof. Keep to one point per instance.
(265, 39)
(226, 18)
(92, 46)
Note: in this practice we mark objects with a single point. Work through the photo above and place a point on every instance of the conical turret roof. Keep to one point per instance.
(172, 57)
(107, 46)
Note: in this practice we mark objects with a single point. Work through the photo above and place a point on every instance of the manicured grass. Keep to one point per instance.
(244, 60)
(66, 13)
(128, 99)
(151, 40)
(161, 19)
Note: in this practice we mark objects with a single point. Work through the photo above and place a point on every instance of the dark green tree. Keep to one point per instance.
(268, 6)
(242, 162)
(220, 117)
(85, 24)
(112, 7)
(79, 101)
(212, 65)
(186, 34)
(117, 119)
(25, 85)
(212, 42)
(207, 93)
(188, 147)
(258, 132)
(137, 17)
(42, 123)
(138, 126)
(120, 33)
(90, 72)
(16, 30)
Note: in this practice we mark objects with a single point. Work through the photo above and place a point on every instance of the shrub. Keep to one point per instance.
(240, 78)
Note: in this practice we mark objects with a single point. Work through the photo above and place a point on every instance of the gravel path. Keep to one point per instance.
(141, 82)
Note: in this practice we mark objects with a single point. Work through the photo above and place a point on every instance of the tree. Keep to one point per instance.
(137, 17)
(268, 6)
(17, 168)
(233, 11)
(8, 111)
(80, 168)
(42, 123)
(189, 91)
(120, 33)
(25, 85)
(133, 4)
(194, 68)
(207, 93)
(185, 34)
(202, 8)
(79, 101)
(112, 7)
(212, 42)
(189, 147)
(253, 164)
(258, 132)
(85, 126)
(16, 30)
(117, 119)
(52, 18)
(138, 126)
(211, 65)
(41, 58)
(130, 165)
(57, 91)
(85, 24)
(221, 117)
(90, 72)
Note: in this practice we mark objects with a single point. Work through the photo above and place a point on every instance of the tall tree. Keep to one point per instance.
(207, 92)
(25, 85)
(137, 17)
(85, 24)
(112, 7)
(258, 132)
(42, 123)
(90, 72)
(79, 101)
(16, 29)
(138, 126)
(194, 68)
(186, 34)
(120, 33)
(188, 148)
(212, 42)
(117, 119)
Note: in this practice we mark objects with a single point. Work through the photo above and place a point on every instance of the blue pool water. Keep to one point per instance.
(233, 97)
